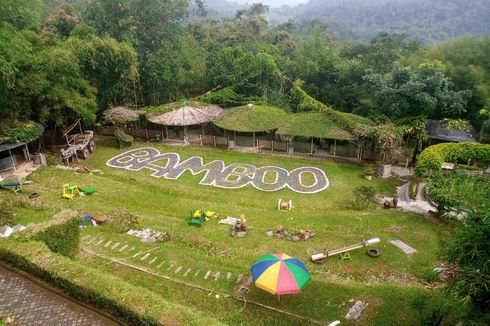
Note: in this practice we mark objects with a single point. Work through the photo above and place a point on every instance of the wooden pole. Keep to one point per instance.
(272, 145)
(311, 146)
(253, 139)
(334, 147)
(27, 152)
(12, 160)
(166, 131)
(186, 140)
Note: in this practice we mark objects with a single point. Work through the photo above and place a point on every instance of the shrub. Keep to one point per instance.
(52, 160)
(364, 195)
(469, 248)
(6, 212)
(431, 159)
(459, 190)
(124, 220)
(63, 238)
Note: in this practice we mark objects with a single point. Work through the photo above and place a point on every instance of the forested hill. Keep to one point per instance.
(427, 20)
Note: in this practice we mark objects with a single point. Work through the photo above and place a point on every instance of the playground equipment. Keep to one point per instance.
(70, 192)
(81, 143)
(285, 205)
(197, 217)
(93, 219)
(15, 187)
(344, 250)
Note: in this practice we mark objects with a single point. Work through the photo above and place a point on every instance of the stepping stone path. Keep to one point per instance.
(85, 238)
(160, 265)
(115, 246)
(92, 240)
(197, 272)
(228, 276)
(178, 269)
(403, 246)
(107, 244)
(187, 272)
(137, 254)
(171, 266)
(99, 243)
(123, 247)
(207, 275)
(217, 276)
(145, 256)
(153, 260)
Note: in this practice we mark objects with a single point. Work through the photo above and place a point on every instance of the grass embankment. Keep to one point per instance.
(389, 282)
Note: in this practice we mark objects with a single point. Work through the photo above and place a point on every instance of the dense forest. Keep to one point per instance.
(61, 59)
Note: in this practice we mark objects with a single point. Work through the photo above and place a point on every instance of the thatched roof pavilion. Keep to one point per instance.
(183, 114)
(186, 116)
(121, 115)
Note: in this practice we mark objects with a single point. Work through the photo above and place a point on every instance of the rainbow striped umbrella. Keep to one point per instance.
(280, 274)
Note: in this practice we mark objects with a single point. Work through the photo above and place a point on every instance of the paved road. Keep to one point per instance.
(27, 303)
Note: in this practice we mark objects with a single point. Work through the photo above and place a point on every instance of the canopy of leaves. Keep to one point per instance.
(251, 118)
(18, 131)
(312, 124)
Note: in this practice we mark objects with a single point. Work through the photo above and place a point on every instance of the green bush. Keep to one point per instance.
(63, 238)
(124, 220)
(6, 212)
(459, 191)
(431, 159)
(364, 195)
(469, 248)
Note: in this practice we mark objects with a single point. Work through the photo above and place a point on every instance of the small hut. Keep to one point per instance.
(15, 153)
(182, 117)
(316, 133)
(441, 131)
(251, 124)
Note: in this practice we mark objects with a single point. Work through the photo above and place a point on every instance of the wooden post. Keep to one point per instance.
(166, 131)
(311, 146)
(334, 147)
(234, 136)
(272, 145)
(27, 152)
(200, 139)
(12, 160)
(163, 136)
(359, 151)
(186, 140)
(146, 132)
(214, 141)
(253, 139)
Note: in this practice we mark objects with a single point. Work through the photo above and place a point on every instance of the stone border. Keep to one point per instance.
(217, 174)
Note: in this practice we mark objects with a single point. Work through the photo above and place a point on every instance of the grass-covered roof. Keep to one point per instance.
(251, 118)
(313, 124)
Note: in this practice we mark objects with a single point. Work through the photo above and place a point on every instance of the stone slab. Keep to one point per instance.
(145, 256)
(123, 247)
(107, 244)
(153, 260)
(207, 275)
(178, 269)
(115, 245)
(6, 231)
(187, 271)
(228, 275)
(403, 246)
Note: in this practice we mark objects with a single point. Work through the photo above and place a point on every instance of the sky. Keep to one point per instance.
(275, 3)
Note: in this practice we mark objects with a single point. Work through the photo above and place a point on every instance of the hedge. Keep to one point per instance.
(63, 239)
(431, 159)
(134, 305)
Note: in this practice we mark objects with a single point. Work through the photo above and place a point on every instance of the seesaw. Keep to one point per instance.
(374, 253)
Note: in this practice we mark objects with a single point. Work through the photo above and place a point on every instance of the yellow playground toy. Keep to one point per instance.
(70, 192)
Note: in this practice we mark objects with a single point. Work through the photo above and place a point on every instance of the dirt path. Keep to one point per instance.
(28, 303)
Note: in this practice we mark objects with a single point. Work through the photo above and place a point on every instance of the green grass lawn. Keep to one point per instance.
(387, 282)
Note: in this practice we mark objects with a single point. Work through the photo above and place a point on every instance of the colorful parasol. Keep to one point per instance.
(280, 274)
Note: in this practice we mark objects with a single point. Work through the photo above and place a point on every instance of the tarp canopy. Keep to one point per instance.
(440, 130)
